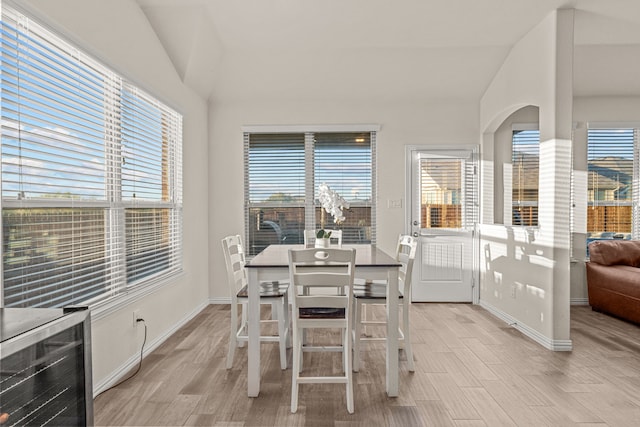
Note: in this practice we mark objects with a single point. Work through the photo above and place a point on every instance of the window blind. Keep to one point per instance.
(610, 162)
(52, 116)
(91, 166)
(149, 152)
(276, 168)
(55, 256)
(343, 161)
(151, 185)
(471, 193)
(275, 188)
(525, 168)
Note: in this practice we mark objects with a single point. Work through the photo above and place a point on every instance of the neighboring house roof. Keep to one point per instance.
(610, 173)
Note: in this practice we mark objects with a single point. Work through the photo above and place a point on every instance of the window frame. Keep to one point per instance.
(635, 181)
(310, 185)
(113, 204)
(510, 203)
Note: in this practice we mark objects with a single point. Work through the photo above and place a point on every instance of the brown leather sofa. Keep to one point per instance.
(613, 278)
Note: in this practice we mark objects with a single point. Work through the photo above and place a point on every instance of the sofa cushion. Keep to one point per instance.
(615, 252)
(615, 290)
(621, 279)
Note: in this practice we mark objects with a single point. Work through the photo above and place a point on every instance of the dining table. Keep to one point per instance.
(272, 263)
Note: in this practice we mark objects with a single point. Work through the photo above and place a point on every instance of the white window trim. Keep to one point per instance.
(309, 128)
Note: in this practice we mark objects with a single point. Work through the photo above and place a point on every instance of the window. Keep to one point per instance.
(91, 175)
(525, 166)
(610, 181)
(440, 193)
(282, 174)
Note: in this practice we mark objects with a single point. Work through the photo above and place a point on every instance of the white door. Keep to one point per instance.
(443, 212)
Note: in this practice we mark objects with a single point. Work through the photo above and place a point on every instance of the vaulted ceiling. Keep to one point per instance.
(404, 50)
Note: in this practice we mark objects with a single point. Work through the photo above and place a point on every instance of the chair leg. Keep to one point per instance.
(348, 371)
(282, 332)
(233, 331)
(357, 314)
(350, 395)
(407, 337)
(244, 325)
(301, 343)
(295, 370)
(287, 319)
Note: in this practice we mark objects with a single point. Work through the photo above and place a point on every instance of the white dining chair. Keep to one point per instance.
(374, 292)
(310, 237)
(273, 293)
(314, 275)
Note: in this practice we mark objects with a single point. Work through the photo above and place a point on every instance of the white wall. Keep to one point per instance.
(406, 123)
(525, 275)
(117, 32)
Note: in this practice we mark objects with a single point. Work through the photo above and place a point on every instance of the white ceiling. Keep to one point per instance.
(386, 50)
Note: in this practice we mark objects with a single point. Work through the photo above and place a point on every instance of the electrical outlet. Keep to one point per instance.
(513, 291)
(136, 316)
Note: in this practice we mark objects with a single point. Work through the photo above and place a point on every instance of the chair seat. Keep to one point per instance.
(267, 290)
(322, 313)
(372, 291)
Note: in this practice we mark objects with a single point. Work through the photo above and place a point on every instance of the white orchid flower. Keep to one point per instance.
(332, 202)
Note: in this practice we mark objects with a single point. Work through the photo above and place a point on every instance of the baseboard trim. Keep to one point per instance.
(220, 300)
(130, 363)
(579, 301)
(555, 345)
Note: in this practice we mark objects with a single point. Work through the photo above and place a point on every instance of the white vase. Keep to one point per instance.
(322, 243)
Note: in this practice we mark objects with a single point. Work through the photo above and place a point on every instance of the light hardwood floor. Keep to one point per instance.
(471, 370)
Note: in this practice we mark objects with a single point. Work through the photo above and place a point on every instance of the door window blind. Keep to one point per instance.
(525, 168)
(441, 193)
(80, 146)
(448, 191)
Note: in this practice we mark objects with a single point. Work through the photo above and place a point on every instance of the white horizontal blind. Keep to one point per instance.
(610, 185)
(150, 190)
(471, 193)
(525, 171)
(276, 168)
(274, 189)
(55, 256)
(149, 134)
(343, 161)
(63, 117)
(52, 116)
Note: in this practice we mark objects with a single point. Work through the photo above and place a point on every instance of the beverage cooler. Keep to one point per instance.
(45, 367)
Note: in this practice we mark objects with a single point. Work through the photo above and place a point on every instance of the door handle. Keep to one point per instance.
(415, 234)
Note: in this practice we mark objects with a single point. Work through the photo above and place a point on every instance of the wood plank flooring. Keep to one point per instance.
(471, 370)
